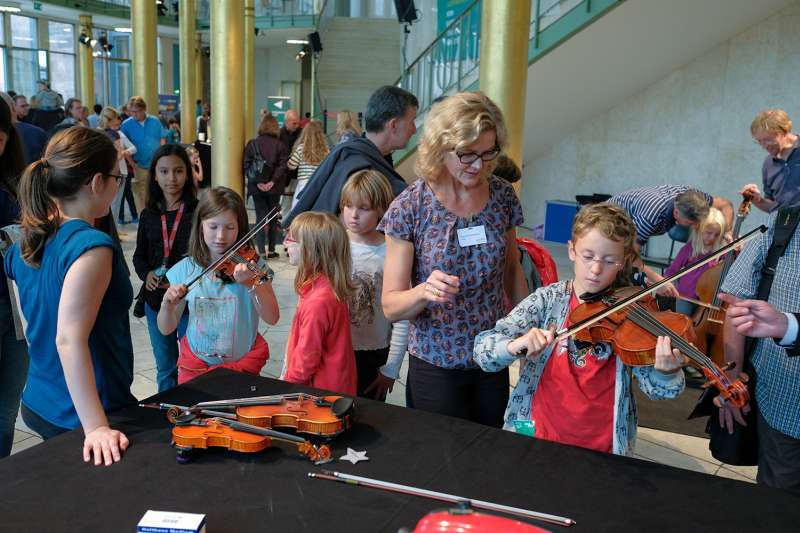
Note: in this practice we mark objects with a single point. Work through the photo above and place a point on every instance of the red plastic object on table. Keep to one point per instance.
(458, 521)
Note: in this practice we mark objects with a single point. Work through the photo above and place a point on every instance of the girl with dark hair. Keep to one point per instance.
(13, 350)
(75, 294)
(161, 241)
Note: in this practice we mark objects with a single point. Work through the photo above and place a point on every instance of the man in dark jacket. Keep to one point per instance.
(389, 124)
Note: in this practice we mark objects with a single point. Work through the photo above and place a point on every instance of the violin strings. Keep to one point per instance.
(653, 326)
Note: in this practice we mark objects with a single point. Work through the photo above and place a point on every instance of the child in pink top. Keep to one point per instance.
(320, 352)
(708, 237)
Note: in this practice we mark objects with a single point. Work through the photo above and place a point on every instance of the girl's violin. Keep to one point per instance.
(245, 255)
(191, 433)
(633, 331)
(239, 253)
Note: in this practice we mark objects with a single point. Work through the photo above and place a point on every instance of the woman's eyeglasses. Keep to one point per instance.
(117, 177)
(467, 158)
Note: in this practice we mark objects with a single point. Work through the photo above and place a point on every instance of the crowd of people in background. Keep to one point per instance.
(384, 268)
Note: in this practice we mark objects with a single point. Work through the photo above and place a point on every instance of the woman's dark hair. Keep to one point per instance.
(12, 161)
(70, 161)
(155, 196)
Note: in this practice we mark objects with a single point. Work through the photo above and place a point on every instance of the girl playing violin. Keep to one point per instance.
(223, 314)
(578, 395)
(708, 237)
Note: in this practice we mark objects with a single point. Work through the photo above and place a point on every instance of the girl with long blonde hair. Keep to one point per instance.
(703, 240)
(320, 350)
(309, 151)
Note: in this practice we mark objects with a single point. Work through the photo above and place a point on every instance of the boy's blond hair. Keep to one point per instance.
(367, 188)
(614, 223)
(714, 218)
(324, 249)
(771, 121)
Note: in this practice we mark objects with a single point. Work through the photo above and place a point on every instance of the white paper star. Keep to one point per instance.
(354, 456)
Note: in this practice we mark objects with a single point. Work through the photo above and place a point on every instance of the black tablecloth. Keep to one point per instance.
(49, 488)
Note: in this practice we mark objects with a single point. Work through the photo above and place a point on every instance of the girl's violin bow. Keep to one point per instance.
(235, 248)
(567, 332)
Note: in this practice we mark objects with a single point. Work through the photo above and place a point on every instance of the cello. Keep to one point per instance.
(708, 318)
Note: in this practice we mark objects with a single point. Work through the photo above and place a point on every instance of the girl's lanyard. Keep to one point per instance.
(169, 241)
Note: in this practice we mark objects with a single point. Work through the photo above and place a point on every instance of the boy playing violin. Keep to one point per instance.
(572, 392)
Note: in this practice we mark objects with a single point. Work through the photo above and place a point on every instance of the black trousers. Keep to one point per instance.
(127, 196)
(778, 457)
(368, 364)
(264, 203)
(470, 394)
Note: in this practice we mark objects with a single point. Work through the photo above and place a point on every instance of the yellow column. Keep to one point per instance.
(249, 69)
(504, 65)
(86, 64)
(187, 23)
(199, 86)
(227, 93)
(145, 64)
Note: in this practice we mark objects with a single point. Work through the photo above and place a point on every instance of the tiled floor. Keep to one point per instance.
(667, 448)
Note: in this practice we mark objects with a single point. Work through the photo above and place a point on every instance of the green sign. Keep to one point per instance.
(37, 6)
(278, 105)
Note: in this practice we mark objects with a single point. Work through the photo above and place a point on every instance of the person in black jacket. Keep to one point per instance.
(13, 350)
(265, 169)
(162, 240)
(389, 123)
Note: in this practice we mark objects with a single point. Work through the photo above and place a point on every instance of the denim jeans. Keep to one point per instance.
(13, 374)
(165, 349)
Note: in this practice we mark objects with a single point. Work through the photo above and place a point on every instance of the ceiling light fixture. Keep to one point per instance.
(10, 7)
(296, 41)
(123, 30)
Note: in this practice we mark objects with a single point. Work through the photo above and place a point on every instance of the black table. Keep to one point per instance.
(49, 488)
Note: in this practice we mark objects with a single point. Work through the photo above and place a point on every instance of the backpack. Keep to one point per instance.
(537, 264)
(257, 170)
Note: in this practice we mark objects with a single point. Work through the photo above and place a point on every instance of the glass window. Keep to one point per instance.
(122, 44)
(3, 85)
(2, 28)
(120, 82)
(23, 32)
(100, 81)
(24, 70)
(61, 36)
(62, 74)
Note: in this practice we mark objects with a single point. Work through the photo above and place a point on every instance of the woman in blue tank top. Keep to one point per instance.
(75, 294)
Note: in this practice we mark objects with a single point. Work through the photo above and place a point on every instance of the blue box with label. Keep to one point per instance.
(558, 218)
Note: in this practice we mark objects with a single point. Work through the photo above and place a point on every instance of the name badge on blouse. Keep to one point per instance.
(471, 236)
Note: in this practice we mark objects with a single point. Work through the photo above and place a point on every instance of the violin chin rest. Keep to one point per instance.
(342, 407)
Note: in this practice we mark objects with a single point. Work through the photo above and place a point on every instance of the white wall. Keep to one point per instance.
(692, 126)
(273, 66)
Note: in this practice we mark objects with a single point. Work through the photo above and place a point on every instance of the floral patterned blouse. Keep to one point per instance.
(443, 334)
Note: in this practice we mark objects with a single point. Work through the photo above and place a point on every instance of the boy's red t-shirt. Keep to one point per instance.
(574, 402)
(320, 349)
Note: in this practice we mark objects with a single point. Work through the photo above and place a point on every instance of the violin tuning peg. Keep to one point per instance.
(729, 365)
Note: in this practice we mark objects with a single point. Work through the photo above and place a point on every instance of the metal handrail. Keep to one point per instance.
(450, 62)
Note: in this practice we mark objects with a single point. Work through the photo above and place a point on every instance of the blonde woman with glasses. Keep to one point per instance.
(451, 256)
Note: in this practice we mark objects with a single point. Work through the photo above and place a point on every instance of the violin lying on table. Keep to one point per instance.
(245, 424)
